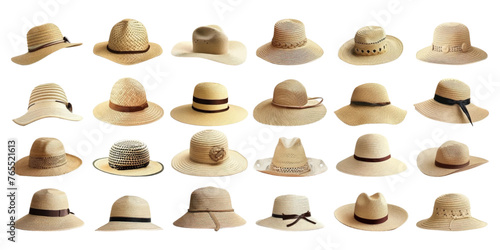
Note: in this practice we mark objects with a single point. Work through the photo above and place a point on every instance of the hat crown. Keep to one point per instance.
(453, 89)
(453, 153)
(290, 204)
(43, 34)
(451, 34)
(128, 35)
(49, 199)
(371, 93)
(209, 147)
(289, 153)
(369, 35)
(47, 147)
(452, 206)
(372, 207)
(289, 33)
(372, 146)
(290, 93)
(47, 92)
(210, 92)
(128, 92)
(131, 206)
(210, 198)
(128, 153)
(210, 39)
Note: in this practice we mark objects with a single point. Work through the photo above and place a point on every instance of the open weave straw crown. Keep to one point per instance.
(128, 35)
(210, 39)
(453, 153)
(290, 157)
(451, 37)
(289, 33)
(131, 207)
(209, 147)
(371, 93)
(128, 154)
(210, 91)
(371, 207)
(369, 41)
(372, 146)
(47, 153)
(290, 93)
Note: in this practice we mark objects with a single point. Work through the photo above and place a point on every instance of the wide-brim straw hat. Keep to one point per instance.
(129, 213)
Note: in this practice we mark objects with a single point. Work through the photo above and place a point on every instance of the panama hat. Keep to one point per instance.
(451, 45)
(43, 40)
(210, 208)
(290, 45)
(49, 211)
(371, 213)
(128, 44)
(371, 46)
(129, 213)
(127, 105)
(210, 107)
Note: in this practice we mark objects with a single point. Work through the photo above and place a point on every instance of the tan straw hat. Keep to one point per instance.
(43, 40)
(451, 45)
(210, 107)
(128, 44)
(49, 211)
(290, 45)
(127, 105)
(451, 213)
(371, 213)
(129, 213)
(210, 208)
(371, 46)
(370, 104)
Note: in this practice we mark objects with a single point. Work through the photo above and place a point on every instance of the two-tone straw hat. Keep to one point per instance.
(129, 213)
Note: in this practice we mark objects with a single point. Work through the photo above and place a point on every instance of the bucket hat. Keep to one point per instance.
(129, 213)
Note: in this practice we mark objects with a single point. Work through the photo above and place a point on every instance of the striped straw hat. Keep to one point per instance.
(129, 213)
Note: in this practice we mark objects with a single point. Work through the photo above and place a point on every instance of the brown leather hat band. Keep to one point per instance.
(127, 52)
(372, 159)
(451, 166)
(370, 221)
(120, 108)
(50, 213)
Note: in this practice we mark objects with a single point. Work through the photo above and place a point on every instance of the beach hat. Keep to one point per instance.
(452, 104)
(451, 45)
(43, 40)
(209, 155)
(211, 43)
(290, 106)
(451, 213)
(371, 213)
(290, 160)
(129, 213)
(47, 158)
(210, 208)
(290, 45)
(127, 105)
(372, 157)
(47, 100)
(49, 211)
(128, 44)
(210, 107)
(370, 104)
(291, 213)
(371, 46)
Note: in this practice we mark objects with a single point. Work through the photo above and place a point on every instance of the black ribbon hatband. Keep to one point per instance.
(130, 219)
(461, 103)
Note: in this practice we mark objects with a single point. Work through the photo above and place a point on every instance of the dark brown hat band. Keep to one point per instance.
(49, 213)
(130, 219)
(127, 52)
(64, 40)
(371, 221)
(297, 217)
(120, 108)
(451, 166)
(370, 104)
(372, 159)
(210, 102)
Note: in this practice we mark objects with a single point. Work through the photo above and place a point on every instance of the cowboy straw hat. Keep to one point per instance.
(129, 213)
(127, 105)
(43, 40)
(49, 211)
(290, 45)
(371, 46)
(451, 45)
(128, 44)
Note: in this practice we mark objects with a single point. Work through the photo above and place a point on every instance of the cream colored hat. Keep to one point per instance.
(129, 213)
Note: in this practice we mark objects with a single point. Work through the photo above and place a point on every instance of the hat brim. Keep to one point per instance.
(203, 220)
(472, 55)
(101, 49)
(45, 110)
(358, 115)
(450, 224)
(427, 158)
(450, 113)
(33, 57)
(280, 224)
(152, 168)
(300, 55)
(235, 163)
(186, 114)
(148, 115)
(317, 166)
(123, 225)
(361, 168)
(45, 223)
(347, 54)
(396, 217)
(23, 168)
(270, 114)
(237, 53)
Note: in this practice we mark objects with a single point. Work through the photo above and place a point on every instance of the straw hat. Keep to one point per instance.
(290, 160)
(451, 45)
(43, 40)
(290, 45)
(371, 46)
(371, 213)
(210, 208)
(209, 155)
(210, 107)
(47, 158)
(128, 44)
(127, 105)
(451, 213)
(370, 104)
(49, 211)
(129, 213)
(451, 104)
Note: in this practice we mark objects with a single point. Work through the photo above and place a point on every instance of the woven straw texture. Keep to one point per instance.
(130, 207)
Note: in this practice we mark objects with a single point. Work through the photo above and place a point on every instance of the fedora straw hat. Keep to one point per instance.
(210, 208)
(451, 45)
(128, 44)
(290, 160)
(451, 213)
(371, 46)
(210, 107)
(129, 213)
(290, 45)
(43, 40)
(47, 100)
(371, 213)
(47, 158)
(291, 213)
(452, 104)
(370, 104)
(49, 211)
(209, 155)
(127, 105)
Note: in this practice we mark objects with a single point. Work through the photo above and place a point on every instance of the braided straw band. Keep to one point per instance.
(445, 49)
(451, 166)
(50, 213)
(120, 108)
(33, 49)
(300, 107)
(47, 162)
(453, 214)
(210, 102)
(297, 217)
(127, 52)
(285, 45)
(370, 104)
(372, 159)
(130, 219)
(68, 105)
(371, 221)
(290, 170)
(212, 216)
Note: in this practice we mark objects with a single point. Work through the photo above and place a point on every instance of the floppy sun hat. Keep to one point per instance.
(129, 213)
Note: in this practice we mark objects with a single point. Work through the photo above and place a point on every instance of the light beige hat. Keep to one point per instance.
(451, 45)
(371, 213)
(49, 211)
(372, 157)
(371, 46)
(129, 213)
(127, 105)
(290, 45)
(128, 44)
(370, 104)
(451, 213)
(210, 208)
